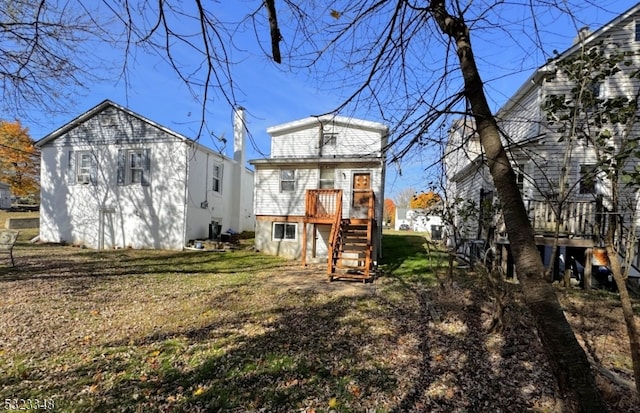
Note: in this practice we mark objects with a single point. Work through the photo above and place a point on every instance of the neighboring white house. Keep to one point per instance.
(5, 196)
(111, 178)
(314, 163)
(420, 220)
(540, 152)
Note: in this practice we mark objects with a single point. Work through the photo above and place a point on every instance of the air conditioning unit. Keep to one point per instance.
(84, 179)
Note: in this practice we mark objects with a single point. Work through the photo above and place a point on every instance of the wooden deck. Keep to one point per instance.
(350, 249)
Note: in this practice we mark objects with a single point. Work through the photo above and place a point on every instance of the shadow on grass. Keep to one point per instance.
(276, 350)
(34, 261)
(304, 356)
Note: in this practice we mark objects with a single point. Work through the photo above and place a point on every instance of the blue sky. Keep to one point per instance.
(272, 95)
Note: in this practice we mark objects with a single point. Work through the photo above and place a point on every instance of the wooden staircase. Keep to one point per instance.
(353, 250)
(351, 240)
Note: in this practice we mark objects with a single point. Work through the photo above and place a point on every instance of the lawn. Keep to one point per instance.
(157, 331)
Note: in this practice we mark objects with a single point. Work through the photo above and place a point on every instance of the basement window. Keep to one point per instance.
(283, 231)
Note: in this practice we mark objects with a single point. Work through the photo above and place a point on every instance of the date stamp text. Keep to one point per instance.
(29, 404)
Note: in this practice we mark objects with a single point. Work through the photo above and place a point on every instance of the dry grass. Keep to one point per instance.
(238, 331)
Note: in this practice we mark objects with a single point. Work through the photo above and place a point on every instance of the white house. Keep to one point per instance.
(542, 156)
(323, 180)
(5, 196)
(111, 178)
(421, 220)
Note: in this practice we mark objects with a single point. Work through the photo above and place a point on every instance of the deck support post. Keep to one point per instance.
(588, 266)
(304, 243)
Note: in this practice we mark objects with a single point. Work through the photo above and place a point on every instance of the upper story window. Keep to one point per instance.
(587, 179)
(329, 138)
(287, 180)
(216, 185)
(82, 168)
(327, 178)
(134, 166)
(637, 34)
(83, 175)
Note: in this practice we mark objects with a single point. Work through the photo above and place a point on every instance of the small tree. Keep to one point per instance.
(424, 200)
(19, 159)
(389, 212)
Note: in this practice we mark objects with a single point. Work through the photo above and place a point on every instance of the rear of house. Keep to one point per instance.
(321, 171)
(114, 179)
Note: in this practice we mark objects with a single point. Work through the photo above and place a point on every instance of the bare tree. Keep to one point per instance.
(410, 64)
(45, 53)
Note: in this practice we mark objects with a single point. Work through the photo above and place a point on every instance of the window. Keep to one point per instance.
(82, 168)
(520, 178)
(284, 232)
(327, 178)
(133, 167)
(216, 186)
(587, 179)
(136, 167)
(637, 37)
(287, 180)
(329, 138)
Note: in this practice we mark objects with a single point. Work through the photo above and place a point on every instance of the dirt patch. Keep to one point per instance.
(314, 279)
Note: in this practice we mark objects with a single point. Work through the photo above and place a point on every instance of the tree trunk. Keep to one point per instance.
(621, 283)
(627, 311)
(568, 360)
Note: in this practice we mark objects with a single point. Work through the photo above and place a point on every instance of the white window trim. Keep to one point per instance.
(321, 180)
(83, 177)
(131, 169)
(329, 138)
(124, 176)
(282, 181)
(284, 224)
(217, 178)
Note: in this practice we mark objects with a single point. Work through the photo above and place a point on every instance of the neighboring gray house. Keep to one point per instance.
(538, 156)
(5, 196)
(324, 179)
(112, 178)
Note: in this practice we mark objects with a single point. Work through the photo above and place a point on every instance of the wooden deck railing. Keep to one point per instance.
(323, 204)
(335, 237)
(576, 218)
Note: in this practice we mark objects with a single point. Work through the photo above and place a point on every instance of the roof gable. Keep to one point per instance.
(95, 111)
(314, 121)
